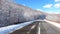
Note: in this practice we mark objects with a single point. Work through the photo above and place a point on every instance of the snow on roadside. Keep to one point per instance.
(7, 29)
(54, 23)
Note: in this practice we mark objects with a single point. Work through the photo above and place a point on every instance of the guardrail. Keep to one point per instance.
(23, 28)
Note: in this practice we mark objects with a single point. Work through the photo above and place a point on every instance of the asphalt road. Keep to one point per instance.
(30, 29)
(45, 28)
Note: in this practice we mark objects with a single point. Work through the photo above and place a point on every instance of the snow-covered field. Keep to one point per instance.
(53, 23)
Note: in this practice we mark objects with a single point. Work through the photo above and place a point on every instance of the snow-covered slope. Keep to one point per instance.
(12, 13)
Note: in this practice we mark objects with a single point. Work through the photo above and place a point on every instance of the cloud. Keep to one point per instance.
(57, 0)
(39, 10)
(24, 4)
(47, 6)
(57, 5)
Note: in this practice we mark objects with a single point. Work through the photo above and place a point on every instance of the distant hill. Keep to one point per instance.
(12, 13)
(53, 17)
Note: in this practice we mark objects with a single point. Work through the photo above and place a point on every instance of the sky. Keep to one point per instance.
(50, 6)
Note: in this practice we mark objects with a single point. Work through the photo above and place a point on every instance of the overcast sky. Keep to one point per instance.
(43, 5)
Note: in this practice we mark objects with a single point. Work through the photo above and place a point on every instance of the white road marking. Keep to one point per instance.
(33, 27)
(39, 28)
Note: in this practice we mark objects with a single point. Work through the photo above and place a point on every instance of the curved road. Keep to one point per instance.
(30, 29)
(45, 28)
